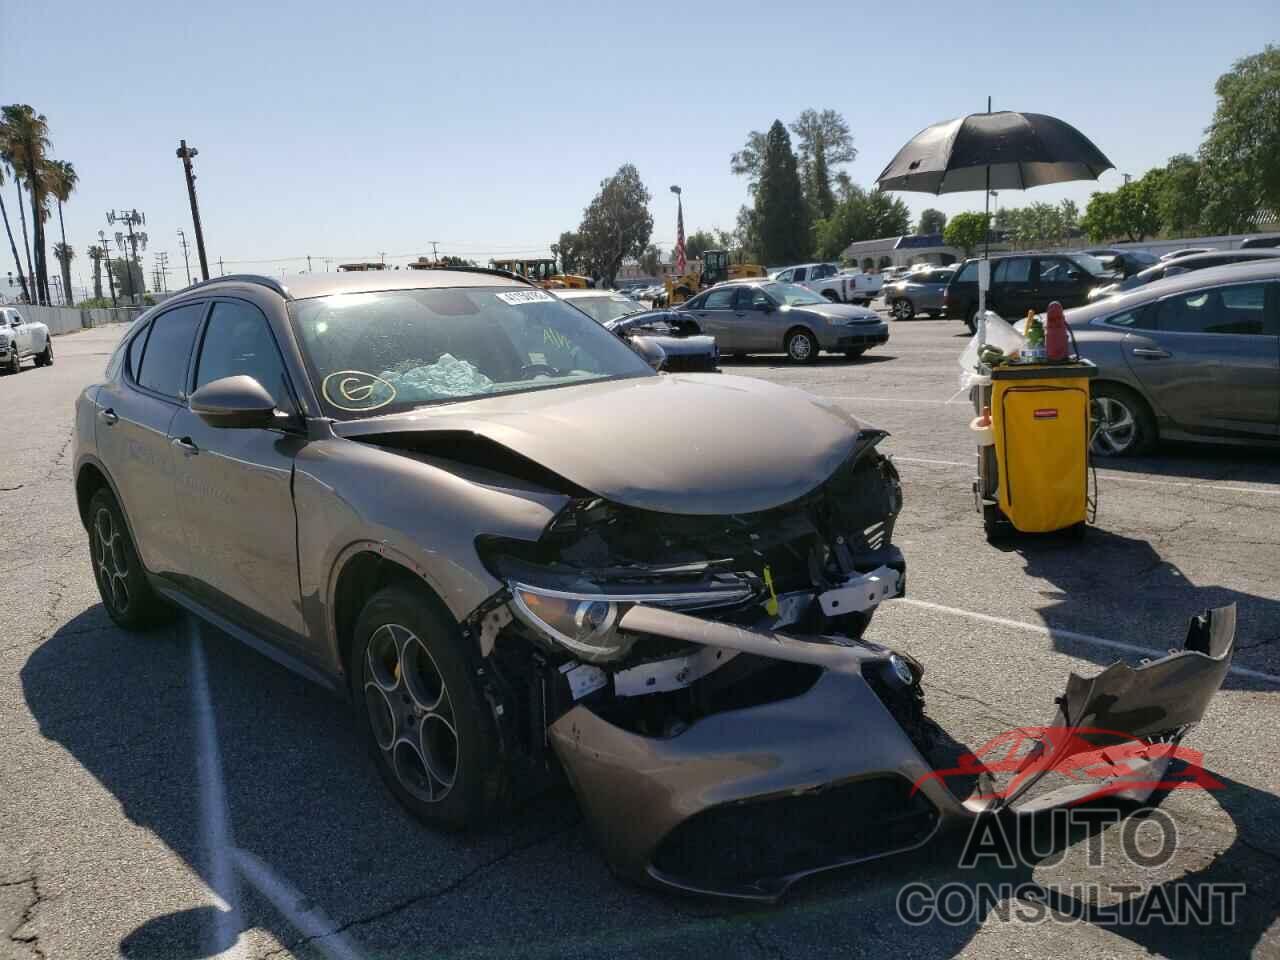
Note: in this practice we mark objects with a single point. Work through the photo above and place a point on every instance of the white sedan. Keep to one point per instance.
(20, 339)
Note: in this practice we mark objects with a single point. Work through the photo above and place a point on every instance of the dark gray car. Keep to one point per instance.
(919, 292)
(1176, 265)
(1191, 357)
(765, 316)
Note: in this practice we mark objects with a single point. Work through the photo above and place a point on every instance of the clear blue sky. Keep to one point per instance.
(346, 130)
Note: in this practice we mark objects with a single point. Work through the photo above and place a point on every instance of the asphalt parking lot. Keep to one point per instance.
(118, 751)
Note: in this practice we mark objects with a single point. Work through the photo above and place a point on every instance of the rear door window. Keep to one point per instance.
(168, 349)
(1013, 270)
(799, 274)
(1222, 310)
(968, 273)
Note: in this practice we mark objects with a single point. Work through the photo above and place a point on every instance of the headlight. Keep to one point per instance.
(584, 625)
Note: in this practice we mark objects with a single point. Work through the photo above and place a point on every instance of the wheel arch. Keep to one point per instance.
(799, 328)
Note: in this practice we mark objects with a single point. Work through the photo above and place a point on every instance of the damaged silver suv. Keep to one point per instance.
(525, 556)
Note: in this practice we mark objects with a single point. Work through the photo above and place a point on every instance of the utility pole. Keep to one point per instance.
(185, 154)
(129, 217)
(162, 270)
(308, 263)
(106, 252)
(1127, 178)
(221, 271)
(382, 256)
(182, 239)
(434, 253)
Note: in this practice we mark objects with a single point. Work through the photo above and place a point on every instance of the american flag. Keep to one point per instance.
(681, 263)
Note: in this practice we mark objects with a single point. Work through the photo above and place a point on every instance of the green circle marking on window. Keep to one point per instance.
(357, 391)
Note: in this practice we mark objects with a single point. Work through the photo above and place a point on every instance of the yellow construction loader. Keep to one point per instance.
(543, 272)
(715, 268)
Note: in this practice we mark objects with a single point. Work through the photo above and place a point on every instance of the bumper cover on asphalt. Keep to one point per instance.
(745, 803)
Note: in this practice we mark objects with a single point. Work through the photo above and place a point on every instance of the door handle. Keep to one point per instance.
(108, 416)
(185, 445)
(1153, 353)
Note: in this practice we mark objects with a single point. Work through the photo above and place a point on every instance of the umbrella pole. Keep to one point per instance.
(986, 256)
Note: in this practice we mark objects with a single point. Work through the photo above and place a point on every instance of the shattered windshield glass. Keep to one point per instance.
(396, 349)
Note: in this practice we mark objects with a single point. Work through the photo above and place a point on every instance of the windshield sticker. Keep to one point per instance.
(357, 391)
(516, 297)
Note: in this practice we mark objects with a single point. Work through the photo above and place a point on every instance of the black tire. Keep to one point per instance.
(404, 633)
(15, 362)
(903, 309)
(971, 318)
(801, 346)
(831, 297)
(122, 582)
(45, 358)
(1123, 424)
(855, 354)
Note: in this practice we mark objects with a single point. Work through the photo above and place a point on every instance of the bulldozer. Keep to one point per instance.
(715, 269)
(543, 272)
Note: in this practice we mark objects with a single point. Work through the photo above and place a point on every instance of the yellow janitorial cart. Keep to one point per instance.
(1033, 457)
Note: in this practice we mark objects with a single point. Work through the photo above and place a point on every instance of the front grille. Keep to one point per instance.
(740, 844)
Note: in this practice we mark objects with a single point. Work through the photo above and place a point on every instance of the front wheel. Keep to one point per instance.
(801, 347)
(426, 722)
(1122, 424)
(971, 319)
(903, 309)
(45, 359)
(15, 361)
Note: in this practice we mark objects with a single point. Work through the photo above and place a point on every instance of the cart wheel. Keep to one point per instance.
(1077, 531)
(993, 525)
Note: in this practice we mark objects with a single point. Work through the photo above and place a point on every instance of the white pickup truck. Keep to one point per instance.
(838, 286)
(21, 338)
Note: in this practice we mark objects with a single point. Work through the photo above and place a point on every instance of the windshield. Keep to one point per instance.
(793, 295)
(398, 349)
(606, 307)
(1090, 263)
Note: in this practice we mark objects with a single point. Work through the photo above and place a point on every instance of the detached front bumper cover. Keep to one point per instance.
(747, 802)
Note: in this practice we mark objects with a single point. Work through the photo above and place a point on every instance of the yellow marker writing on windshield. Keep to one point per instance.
(771, 606)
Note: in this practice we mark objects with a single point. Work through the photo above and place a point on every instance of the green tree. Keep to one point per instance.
(64, 254)
(1240, 155)
(781, 212)
(129, 279)
(1181, 200)
(1100, 218)
(62, 178)
(97, 254)
(1131, 211)
(967, 231)
(932, 221)
(822, 202)
(698, 242)
(749, 161)
(24, 141)
(569, 251)
(17, 261)
(823, 140)
(650, 260)
(861, 215)
(746, 236)
(617, 224)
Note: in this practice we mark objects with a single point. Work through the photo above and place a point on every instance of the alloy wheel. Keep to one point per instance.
(410, 712)
(1115, 429)
(799, 347)
(111, 561)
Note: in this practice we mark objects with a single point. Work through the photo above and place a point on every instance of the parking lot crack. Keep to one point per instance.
(436, 894)
(30, 942)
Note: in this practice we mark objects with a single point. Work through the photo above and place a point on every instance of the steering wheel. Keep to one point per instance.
(530, 370)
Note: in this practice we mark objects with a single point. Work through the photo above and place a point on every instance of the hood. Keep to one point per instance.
(836, 312)
(690, 444)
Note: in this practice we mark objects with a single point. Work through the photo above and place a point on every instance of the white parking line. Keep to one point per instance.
(1197, 484)
(311, 921)
(214, 818)
(1071, 635)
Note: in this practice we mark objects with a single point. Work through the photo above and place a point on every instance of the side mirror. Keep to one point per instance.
(238, 401)
(766, 308)
(652, 353)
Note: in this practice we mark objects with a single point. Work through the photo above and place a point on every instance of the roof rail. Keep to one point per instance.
(257, 278)
(492, 271)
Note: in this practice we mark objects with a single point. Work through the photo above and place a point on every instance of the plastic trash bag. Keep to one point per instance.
(999, 334)
(447, 377)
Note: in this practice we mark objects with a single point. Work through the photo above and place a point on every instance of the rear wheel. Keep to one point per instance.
(1122, 422)
(121, 579)
(801, 347)
(903, 309)
(831, 297)
(971, 318)
(45, 359)
(15, 361)
(426, 722)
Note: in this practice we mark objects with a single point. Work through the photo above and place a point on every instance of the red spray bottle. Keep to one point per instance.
(1055, 333)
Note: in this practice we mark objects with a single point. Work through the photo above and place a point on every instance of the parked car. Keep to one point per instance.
(767, 316)
(1191, 357)
(1171, 268)
(1022, 282)
(21, 338)
(657, 335)
(1122, 261)
(919, 292)
(1186, 252)
(831, 282)
(460, 503)
(1257, 243)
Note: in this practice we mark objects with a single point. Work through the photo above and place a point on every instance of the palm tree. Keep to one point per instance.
(12, 163)
(62, 179)
(64, 255)
(17, 261)
(26, 138)
(97, 254)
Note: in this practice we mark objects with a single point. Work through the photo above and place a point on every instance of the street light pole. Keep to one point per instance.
(182, 238)
(185, 153)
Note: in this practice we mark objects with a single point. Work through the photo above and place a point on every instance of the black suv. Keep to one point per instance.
(1022, 282)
